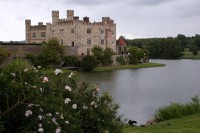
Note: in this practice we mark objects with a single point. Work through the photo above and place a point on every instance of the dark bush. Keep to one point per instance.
(72, 61)
(89, 62)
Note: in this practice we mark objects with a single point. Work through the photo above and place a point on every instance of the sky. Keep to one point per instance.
(133, 18)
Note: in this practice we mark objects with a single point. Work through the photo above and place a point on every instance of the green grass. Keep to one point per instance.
(144, 65)
(187, 124)
(189, 55)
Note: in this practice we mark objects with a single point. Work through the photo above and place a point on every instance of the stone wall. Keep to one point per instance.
(20, 50)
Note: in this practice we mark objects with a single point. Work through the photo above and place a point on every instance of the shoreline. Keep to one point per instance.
(121, 67)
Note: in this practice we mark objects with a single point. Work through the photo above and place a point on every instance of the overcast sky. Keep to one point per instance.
(134, 18)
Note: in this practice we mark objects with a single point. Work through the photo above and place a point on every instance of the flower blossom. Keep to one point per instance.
(61, 116)
(58, 130)
(38, 67)
(97, 89)
(74, 106)
(13, 74)
(54, 120)
(67, 100)
(49, 114)
(40, 129)
(85, 107)
(25, 70)
(40, 125)
(41, 89)
(72, 74)
(40, 117)
(28, 112)
(45, 79)
(68, 88)
(57, 113)
(57, 71)
(67, 122)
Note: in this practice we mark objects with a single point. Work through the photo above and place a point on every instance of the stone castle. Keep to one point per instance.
(79, 36)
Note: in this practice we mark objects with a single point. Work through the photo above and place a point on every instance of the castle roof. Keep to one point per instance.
(121, 41)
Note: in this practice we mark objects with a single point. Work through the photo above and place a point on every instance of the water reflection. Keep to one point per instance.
(140, 91)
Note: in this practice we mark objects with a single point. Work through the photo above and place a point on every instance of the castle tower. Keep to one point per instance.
(70, 14)
(28, 30)
(55, 17)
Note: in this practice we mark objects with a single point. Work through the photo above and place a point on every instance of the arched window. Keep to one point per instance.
(72, 44)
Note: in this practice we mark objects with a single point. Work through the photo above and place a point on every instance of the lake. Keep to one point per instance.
(141, 91)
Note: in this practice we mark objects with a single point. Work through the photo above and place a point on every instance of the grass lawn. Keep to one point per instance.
(187, 124)
(144, 65)
(189, 55)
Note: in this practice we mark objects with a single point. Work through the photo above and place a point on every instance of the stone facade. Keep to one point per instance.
(79, 36)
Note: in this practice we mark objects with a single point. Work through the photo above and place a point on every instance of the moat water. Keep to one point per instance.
(141, 91)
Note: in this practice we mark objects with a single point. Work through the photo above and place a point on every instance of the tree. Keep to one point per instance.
(52, 53)
(103, 57)
(107, 56)
(98, 53)
(182, 39)
(133, 57)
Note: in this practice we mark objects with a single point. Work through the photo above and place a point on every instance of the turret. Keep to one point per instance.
(70, 14)
(28, 30)
(55, 17)
(86, 19)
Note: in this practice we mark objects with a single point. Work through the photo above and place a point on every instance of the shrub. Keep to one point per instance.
(177, 110)
(3, 54)
(121, 60)
(72, 61)
(34, 102)
(89, 62)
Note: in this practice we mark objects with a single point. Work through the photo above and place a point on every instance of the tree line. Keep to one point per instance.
(167, 48)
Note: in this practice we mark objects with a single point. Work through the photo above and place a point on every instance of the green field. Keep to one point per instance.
(144, 65)
(187, 124)
(189, 55)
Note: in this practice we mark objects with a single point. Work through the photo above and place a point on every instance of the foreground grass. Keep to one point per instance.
(144, 65)
(187, 124)
(189, 55)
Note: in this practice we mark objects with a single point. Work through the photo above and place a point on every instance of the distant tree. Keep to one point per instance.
(52, 53)
(182, 39)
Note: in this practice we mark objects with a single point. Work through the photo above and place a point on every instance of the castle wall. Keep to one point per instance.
(73, 32)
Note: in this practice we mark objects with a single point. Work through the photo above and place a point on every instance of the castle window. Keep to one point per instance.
(53, 32)
(72, 44)
(102, 42)
(72, 31)
(43, 34)
(88, 51)
(113, 42)
(89, 31)
(102, 31)
(61, 31)
(89, 41)
(34, 34)
(113, 33)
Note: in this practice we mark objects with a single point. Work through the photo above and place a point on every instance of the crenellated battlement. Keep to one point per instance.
(73, 31)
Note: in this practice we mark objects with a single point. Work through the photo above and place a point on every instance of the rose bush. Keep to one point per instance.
(34, 102)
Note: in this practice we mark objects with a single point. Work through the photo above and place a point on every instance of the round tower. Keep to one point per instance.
(28, 30)
(70, 14)
(55, 17)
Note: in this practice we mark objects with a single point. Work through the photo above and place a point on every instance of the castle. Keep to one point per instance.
(79, 36)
